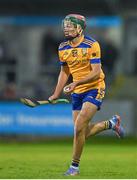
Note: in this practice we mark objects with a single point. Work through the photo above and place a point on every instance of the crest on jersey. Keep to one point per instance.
(84, 52)
(74, 53)
(65, 55)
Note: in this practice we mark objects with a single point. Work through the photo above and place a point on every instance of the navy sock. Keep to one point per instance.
(75, 162)
(108, 124)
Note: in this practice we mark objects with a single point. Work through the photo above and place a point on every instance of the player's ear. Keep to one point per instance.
(79, 29)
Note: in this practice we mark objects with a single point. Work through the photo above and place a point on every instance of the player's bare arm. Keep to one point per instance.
(94, 74)
(62, 79)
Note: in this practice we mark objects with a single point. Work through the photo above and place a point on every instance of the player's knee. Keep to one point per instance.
(83, 115)
(81, 123)
(79, 129)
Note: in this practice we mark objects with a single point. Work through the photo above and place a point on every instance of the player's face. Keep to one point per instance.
(70, 29)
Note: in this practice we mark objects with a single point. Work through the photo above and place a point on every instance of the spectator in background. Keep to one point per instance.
(9, 92)
(135, 61)
(3, 50)
(109, 59)
(49, 47)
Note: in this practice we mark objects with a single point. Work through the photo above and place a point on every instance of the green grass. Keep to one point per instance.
(102, 158)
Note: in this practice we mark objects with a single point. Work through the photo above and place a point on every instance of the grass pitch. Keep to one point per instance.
(102, 158)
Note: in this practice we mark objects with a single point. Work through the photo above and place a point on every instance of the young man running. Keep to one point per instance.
(80, 56)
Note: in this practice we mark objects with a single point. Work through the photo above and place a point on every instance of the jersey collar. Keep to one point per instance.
(78, 43)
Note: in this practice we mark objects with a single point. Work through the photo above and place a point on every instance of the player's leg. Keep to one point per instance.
(113, 123)
(95, 128)
(76, 107)
(75, 115)
(81, 120)
(72, 170)
(86, 114)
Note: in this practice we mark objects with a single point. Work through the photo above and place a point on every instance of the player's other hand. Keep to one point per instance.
(69, 88)
(53, 97)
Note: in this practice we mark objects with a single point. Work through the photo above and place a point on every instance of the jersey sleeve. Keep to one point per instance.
(95, 53)
(62, 62)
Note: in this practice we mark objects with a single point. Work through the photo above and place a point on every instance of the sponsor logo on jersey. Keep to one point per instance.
(74, 53)
(65, 55)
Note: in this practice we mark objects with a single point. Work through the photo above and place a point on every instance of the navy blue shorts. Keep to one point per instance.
(89, 96)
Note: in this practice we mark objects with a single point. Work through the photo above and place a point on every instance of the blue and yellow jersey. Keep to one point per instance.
(79, 59)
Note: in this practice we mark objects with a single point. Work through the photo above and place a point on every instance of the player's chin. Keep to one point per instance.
(66, 33)
(67, 37)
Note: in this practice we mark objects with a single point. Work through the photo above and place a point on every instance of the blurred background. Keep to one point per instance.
(30, 33)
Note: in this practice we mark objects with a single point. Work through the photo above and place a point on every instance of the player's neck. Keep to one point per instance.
(76, 41)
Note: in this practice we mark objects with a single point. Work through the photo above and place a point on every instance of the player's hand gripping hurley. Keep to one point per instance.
(34, 103)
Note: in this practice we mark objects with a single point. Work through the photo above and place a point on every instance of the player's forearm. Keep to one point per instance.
(62, 80)
(92, 76)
